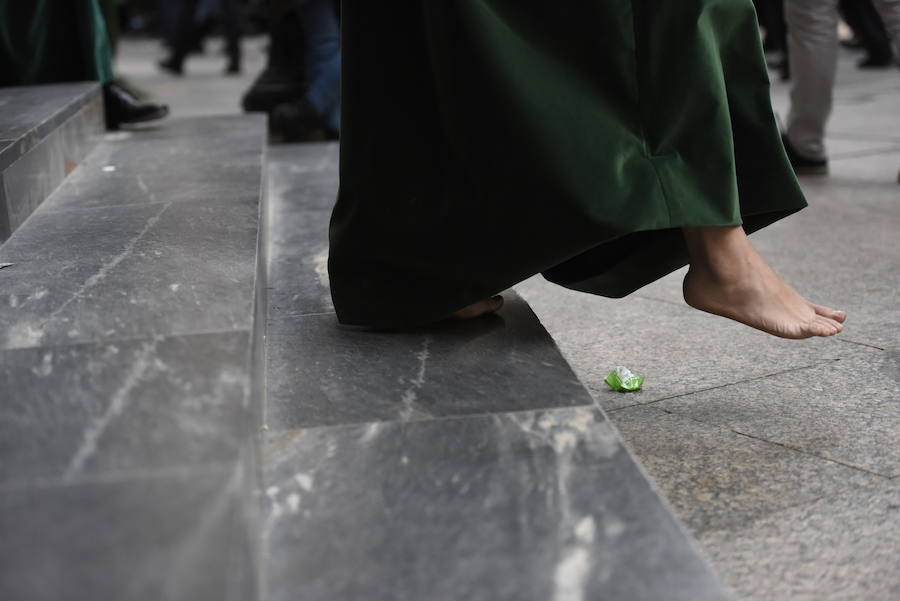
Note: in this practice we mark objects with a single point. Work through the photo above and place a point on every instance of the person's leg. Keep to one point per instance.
(813, 46)
(727, 277)
(186, 37)
(890, 15)
(231, 26)
(868, 28)
(323, 59)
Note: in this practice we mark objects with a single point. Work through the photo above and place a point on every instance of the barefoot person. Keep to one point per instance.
(602, 144)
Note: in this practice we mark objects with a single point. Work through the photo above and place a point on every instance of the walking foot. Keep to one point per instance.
(729, 278)
(485, 307)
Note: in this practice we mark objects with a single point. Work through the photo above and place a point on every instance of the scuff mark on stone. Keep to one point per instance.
(320, 261)
(109, 265)
(117, 405)
(410, 396)
(46, 367)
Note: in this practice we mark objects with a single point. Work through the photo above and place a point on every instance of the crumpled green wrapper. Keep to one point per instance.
(623, 380)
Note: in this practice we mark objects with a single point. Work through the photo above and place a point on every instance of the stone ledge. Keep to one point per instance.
(46, 131)
(127, 332)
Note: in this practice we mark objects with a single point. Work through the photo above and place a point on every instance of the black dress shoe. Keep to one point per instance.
(272, 87)
(803, 165)
(121, 106)
(297, 121)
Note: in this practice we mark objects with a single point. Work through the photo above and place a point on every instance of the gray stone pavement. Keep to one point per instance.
(782, 457)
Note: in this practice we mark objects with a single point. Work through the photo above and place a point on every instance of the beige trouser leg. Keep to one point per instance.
(812, 38)
(813, 47)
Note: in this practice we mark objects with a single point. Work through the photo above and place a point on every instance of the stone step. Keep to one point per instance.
(45, 132)
(459, 461)
(128, 423)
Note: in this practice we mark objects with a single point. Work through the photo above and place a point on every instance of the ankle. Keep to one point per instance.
(720, 252)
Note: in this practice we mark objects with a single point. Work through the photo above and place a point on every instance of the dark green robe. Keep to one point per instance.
(53, 41)
(484, 141)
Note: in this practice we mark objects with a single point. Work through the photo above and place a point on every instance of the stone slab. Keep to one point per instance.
(78, 411)
(30, 113)
(847, 412)
(320, 373)
(677, 349)
(839, 548)
(176, 538)
(531, 505)
(218, 158)
(717, 479)
(36, 164)
(135, 271)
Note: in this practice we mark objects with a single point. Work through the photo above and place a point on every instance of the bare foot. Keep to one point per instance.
(727, 277)
(491, 305)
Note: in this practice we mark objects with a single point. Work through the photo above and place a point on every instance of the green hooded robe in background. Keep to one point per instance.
(53, 41)
(484, 141)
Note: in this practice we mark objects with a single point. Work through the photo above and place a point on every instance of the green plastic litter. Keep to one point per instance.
(623, 380)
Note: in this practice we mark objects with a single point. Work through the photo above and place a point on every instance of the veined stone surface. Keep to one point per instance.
(458, 461)
(128, 421)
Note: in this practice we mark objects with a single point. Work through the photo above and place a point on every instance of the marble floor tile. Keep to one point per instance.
(530, 505)
(77, 411)
(677, 349)
(320, 373)
(717, 479)
(840, 548)
(848, 411)
(176, 538)
(101, 274)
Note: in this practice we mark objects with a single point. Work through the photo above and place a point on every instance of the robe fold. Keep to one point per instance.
(485, 141)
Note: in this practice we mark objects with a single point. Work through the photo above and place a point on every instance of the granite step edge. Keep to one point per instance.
(36, 164)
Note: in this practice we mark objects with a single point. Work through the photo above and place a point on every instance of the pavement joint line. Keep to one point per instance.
(863, 137)
(662, 300)
(811, 454)
(150, 203)
(866, 344)
(299, 315)
(116, 476)
(783, 445)
(727, 384)
(855, 154)
(120, 339)
(295, 431)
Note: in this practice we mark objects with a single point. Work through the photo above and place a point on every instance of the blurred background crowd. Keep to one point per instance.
(52, 41)
(45, 41)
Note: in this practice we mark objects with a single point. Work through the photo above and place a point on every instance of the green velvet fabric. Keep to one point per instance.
(484, 141)
(51, 41)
